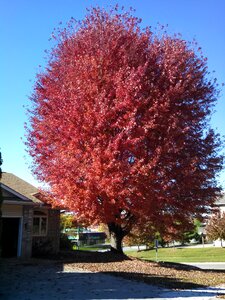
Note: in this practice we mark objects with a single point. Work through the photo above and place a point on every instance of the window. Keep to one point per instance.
(39, 223)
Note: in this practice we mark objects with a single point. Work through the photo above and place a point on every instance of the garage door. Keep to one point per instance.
(10, 234)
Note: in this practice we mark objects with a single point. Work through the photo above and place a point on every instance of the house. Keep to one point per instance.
(220, 205)
(29, 226)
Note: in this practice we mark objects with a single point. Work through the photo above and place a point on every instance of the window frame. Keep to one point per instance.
(40, 215)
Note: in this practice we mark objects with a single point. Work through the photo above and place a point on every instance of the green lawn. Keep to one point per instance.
(207, 254)
(91, 248)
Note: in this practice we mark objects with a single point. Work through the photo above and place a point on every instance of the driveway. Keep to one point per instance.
(46, 280)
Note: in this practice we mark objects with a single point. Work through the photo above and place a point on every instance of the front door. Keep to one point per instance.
(10, 233)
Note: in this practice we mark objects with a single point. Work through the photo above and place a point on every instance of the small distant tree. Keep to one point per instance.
(147, 232)
(141, 234)
(188, 232)
(215, 230)
(67, 221)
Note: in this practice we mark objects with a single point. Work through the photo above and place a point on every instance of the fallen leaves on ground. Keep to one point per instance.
(165, 274)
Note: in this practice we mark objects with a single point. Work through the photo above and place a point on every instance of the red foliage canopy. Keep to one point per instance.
(119, 124)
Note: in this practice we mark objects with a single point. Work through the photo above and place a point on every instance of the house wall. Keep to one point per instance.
(25, 213)
(28, 244)
(54, 229)
(27, 229)
(218, 243)
(48, 244)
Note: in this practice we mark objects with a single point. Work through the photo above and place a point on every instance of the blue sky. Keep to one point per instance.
(25, 27)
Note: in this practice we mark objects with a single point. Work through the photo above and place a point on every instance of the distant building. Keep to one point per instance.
(220, 204)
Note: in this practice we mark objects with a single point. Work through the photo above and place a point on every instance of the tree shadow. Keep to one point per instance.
(178, 266)
(181, 266)
(86, 257)
(166, 280)
(161, 281)
(187, 267)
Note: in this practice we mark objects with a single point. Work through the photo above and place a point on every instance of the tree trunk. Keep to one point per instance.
(116, 236)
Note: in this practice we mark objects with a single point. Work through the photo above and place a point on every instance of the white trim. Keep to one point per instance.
(20, 235)
(20, 202)
(11, 216)
(45, 216)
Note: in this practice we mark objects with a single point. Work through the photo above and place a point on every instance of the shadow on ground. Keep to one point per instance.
(64, 277)
(38, 279)
(187, 267)
(166, 274)
(86, 257)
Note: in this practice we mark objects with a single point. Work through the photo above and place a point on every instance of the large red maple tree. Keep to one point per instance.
(119, 125)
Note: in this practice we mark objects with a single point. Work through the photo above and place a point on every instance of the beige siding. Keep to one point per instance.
(9, 210)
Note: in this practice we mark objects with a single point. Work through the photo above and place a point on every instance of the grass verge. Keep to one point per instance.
(178, 255)
(92, 248)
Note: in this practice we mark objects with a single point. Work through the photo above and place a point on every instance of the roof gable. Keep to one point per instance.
(19, 188)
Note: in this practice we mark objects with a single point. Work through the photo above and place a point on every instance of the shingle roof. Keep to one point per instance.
(20, 186)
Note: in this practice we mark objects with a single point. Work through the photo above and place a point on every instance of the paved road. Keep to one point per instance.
(47, 281)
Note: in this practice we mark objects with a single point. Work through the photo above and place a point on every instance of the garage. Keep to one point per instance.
(10, 237)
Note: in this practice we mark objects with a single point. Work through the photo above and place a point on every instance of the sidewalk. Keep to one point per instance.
(208, 265)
